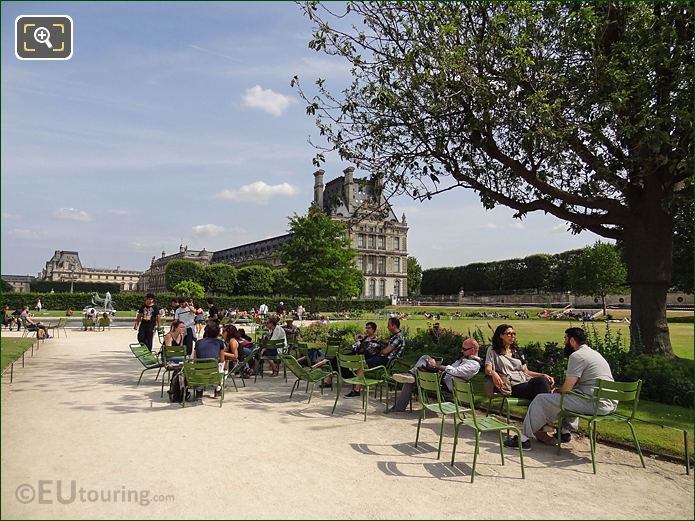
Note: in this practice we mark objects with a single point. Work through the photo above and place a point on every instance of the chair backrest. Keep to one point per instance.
(160, 334)
(625, 392)
(103, 322)
(173, 351)
(144, 355)
(291, 339)
(202, 371)
(464, 399)
(292, 364)
(428, 382)
(61, 322)
(241, 364)
(351, 362)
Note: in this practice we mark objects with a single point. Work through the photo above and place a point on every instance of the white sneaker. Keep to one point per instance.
(404, 378)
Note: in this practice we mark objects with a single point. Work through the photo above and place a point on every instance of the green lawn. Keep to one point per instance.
(12, 348)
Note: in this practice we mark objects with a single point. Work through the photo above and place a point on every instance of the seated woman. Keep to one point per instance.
(104, 322)
(231, 350)
(175, 336)
(504, 357)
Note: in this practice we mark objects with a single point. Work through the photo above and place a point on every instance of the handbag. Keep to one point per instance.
(489, 388)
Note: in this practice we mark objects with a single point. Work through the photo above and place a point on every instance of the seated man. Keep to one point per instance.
(435, 332)
(7, 319)
(465, 367)
(31, 325)
(584, 367)
(392, 350)
(210, 346)
(275, 332)
(289, 327)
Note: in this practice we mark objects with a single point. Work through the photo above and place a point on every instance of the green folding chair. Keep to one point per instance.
(429, 384)
(238, 369)
(625, 392)
(309, 375)
(146, 358)
(172, 357)
(202, 372)
(269, 344)
(354, 363)
(464, 401)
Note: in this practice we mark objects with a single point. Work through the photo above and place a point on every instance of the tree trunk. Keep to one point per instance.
(648, 250)
(603, 302)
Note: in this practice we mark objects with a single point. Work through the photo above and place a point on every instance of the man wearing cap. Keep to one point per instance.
(289, 327)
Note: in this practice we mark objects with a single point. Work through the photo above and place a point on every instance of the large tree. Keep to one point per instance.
(219, 278)
(598, 271)
(414, 276)
(255, 279)
(180, 270)
(581, 110)
(319, 258)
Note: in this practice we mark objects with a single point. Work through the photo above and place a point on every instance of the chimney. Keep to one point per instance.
(318, 188)
(348, 186)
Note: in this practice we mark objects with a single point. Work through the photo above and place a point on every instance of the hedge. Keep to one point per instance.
(127, 301)
(41, 286)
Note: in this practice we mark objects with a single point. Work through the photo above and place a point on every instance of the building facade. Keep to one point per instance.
(154, 279)
(65, 266)
(380, 238)
(19, 283)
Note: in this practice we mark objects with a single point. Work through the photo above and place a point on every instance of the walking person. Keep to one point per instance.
(39, 306)
(146, 320)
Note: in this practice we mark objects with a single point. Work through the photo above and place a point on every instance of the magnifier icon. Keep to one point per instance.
(43, 35)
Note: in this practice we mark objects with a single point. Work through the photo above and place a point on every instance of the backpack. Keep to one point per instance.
(176, 386)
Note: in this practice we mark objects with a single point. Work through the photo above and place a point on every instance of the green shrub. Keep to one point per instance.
(666, 380)
(45, 286)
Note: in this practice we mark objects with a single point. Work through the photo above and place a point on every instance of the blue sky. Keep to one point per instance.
(176, 122)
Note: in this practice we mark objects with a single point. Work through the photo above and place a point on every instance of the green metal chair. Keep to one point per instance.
(429, 384)
(240, 366)
(54, 329)
(304, 374)
(268, 344)
(354, 363)
(178, 354)
(146, 358)
(464, 402)
(200, 373)
(624, 392)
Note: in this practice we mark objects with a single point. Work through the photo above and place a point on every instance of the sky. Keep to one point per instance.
(175, 123)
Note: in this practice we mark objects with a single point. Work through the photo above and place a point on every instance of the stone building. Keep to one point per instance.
(153, 279)
(65, 266)
(379, 237)
(381, 240)
(19, 283)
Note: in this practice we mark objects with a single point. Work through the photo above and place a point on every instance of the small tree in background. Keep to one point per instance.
(319, 258)
(219, 278)
(191, 289)
(598, 271)
(414, 276)
(181, 270)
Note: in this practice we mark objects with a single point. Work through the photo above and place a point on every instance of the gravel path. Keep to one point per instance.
(74, 421)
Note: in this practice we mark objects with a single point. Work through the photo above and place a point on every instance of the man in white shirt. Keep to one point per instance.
(276, 333)
(465, 367)
(186, 314)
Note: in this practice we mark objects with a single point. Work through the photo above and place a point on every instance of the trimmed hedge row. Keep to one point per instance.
(45, 286)
(124, 301)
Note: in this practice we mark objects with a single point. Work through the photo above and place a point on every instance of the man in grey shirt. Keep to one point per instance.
(584, 367)
(464, 368)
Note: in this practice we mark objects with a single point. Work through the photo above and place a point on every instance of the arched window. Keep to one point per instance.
(382, 288)
(397, 288)
(372, 287)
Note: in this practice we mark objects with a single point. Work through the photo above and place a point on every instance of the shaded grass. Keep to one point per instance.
(12, 348)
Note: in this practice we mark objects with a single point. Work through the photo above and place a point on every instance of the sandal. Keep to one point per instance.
(275, 373)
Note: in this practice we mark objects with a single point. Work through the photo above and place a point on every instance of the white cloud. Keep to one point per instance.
(518, 226)
(118, 211)
(207, 230)
(266, 100)
(24, 233)
(71, 214)
(491, 226)
(560, 228)
(258, 192)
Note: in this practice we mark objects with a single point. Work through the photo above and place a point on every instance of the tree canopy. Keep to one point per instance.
(179, 270)
(319, 257)
(189, 288)
(219, 278)
(582, 110)
(255, 279)
(598, 271)
(414, 276)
